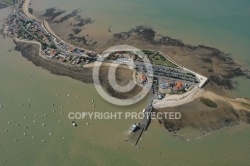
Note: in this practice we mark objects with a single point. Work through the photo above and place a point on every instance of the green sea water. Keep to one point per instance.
(102, 142)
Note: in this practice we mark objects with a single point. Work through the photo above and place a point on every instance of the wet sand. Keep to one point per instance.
(26, 9)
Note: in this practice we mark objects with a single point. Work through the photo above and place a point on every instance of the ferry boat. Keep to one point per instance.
(134, 127)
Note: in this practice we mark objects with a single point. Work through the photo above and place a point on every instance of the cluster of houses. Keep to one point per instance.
(71, 59)
(172, 87)
(143, 79)
(175, 86)
(22, 27)
(170, 80)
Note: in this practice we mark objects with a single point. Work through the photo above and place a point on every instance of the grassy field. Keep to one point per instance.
(208, 102)
(246, 105)
(158, 59)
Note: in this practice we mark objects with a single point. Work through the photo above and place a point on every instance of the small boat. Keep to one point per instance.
(93, 101)
(134, 127)
(74, 123)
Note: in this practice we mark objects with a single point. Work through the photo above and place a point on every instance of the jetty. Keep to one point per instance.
(136, 135)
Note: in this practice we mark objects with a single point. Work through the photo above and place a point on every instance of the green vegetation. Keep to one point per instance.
(196, 81)
(148, 52)
(44, 45)
(208, 102)
(53, 46)
(246, 104)
(191, 74)
(158, 59)
(163, 62)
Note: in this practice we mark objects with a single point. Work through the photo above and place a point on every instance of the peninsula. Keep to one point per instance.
(176, 87)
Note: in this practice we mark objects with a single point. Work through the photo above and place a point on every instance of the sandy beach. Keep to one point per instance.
(45, 23)
(26, 9)
(47, 26)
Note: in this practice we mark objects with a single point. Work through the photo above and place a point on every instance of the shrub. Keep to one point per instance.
(208, 102)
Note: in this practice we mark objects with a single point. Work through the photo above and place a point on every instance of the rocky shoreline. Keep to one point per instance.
(211, 62)
(52, 13)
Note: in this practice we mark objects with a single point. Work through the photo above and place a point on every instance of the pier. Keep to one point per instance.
(145, 122)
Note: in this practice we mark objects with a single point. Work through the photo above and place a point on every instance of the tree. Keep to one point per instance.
(44, 45)
(53, 46)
